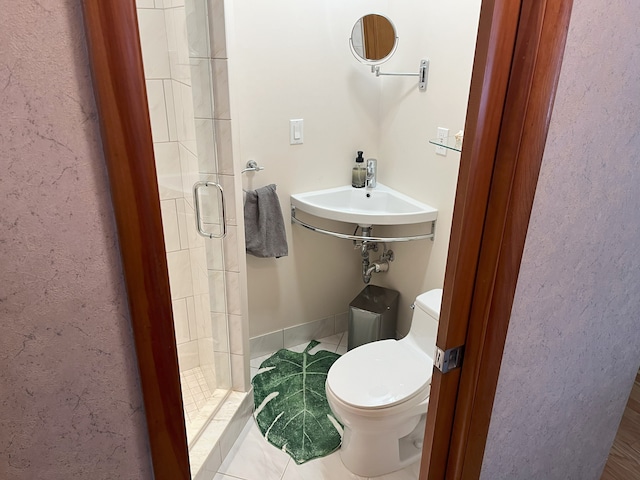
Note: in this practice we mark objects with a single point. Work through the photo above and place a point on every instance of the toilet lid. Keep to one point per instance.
(380, 374)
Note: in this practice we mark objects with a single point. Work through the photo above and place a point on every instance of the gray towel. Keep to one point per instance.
(263, 224)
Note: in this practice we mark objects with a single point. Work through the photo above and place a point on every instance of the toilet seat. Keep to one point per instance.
(380, 375)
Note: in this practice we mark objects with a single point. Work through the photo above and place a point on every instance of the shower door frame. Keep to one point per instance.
(499, 169)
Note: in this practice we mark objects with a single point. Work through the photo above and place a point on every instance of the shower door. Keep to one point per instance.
(177, 68)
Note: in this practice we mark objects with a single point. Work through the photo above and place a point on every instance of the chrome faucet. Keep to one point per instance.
(372, 171)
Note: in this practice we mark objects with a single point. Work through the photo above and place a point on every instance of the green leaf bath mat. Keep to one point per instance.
(292, 411)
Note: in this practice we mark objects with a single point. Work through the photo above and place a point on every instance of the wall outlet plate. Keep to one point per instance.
(442, 135)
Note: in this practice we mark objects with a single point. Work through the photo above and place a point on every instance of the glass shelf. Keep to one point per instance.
(448, 142)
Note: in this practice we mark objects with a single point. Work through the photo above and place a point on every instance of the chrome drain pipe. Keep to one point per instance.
(382, 265)
(369, 268)
(364, 253)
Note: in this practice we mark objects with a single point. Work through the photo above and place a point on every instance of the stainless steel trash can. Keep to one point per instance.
(373, 315)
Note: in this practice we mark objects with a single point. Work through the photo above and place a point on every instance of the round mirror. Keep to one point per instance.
(373, 39)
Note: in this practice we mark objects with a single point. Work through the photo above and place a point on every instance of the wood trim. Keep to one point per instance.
(534, 72)
(118, 78)
(379, 36)
(492, 65)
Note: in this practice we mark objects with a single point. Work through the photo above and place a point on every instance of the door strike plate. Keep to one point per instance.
(447, 360)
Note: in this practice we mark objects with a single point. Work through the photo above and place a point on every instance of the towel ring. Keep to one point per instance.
(252, 166)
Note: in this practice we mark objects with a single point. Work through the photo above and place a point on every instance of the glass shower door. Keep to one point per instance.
(178, 75)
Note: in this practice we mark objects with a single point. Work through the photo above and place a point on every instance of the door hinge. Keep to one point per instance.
(447, 360)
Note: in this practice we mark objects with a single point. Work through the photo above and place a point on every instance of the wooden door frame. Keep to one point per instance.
(517, 64)
(120, 90)
(516, 68)
(379, 37)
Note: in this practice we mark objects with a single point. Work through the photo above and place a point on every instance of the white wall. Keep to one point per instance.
(573, 345)
(292, 60)
(288, 62)
(445, 33)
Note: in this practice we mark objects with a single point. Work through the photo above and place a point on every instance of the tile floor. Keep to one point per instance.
(253, 458)
(195, 391)
(335, 343)
(200, 402)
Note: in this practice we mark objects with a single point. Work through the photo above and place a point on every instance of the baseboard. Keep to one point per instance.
(291, 336)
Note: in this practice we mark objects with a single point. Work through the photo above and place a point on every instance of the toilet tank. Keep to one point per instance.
(424, 324)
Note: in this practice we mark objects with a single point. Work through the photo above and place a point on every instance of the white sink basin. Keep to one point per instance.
(365, 206)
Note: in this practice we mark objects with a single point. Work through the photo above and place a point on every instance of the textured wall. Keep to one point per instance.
(70, 402)
(573, 345)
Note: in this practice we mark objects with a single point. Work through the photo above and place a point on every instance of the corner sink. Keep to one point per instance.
(365, 206)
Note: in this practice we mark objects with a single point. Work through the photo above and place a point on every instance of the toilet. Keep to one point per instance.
(380, 392)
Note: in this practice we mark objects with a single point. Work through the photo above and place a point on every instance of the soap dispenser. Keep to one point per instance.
(359, 172)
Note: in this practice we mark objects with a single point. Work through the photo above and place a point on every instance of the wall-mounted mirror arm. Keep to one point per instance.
(423, 73)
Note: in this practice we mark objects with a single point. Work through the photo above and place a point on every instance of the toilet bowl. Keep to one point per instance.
(380, 393)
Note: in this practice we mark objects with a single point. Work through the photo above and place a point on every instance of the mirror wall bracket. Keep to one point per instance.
(423, 73)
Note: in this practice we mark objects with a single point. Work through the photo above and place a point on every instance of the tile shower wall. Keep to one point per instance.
(177, 52)
(233, 251)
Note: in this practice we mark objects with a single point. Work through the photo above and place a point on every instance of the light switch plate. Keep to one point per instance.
(296, 131)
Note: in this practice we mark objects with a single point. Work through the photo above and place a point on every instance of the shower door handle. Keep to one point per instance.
(196, 201)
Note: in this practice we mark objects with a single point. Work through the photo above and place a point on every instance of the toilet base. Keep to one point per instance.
(372, 454)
